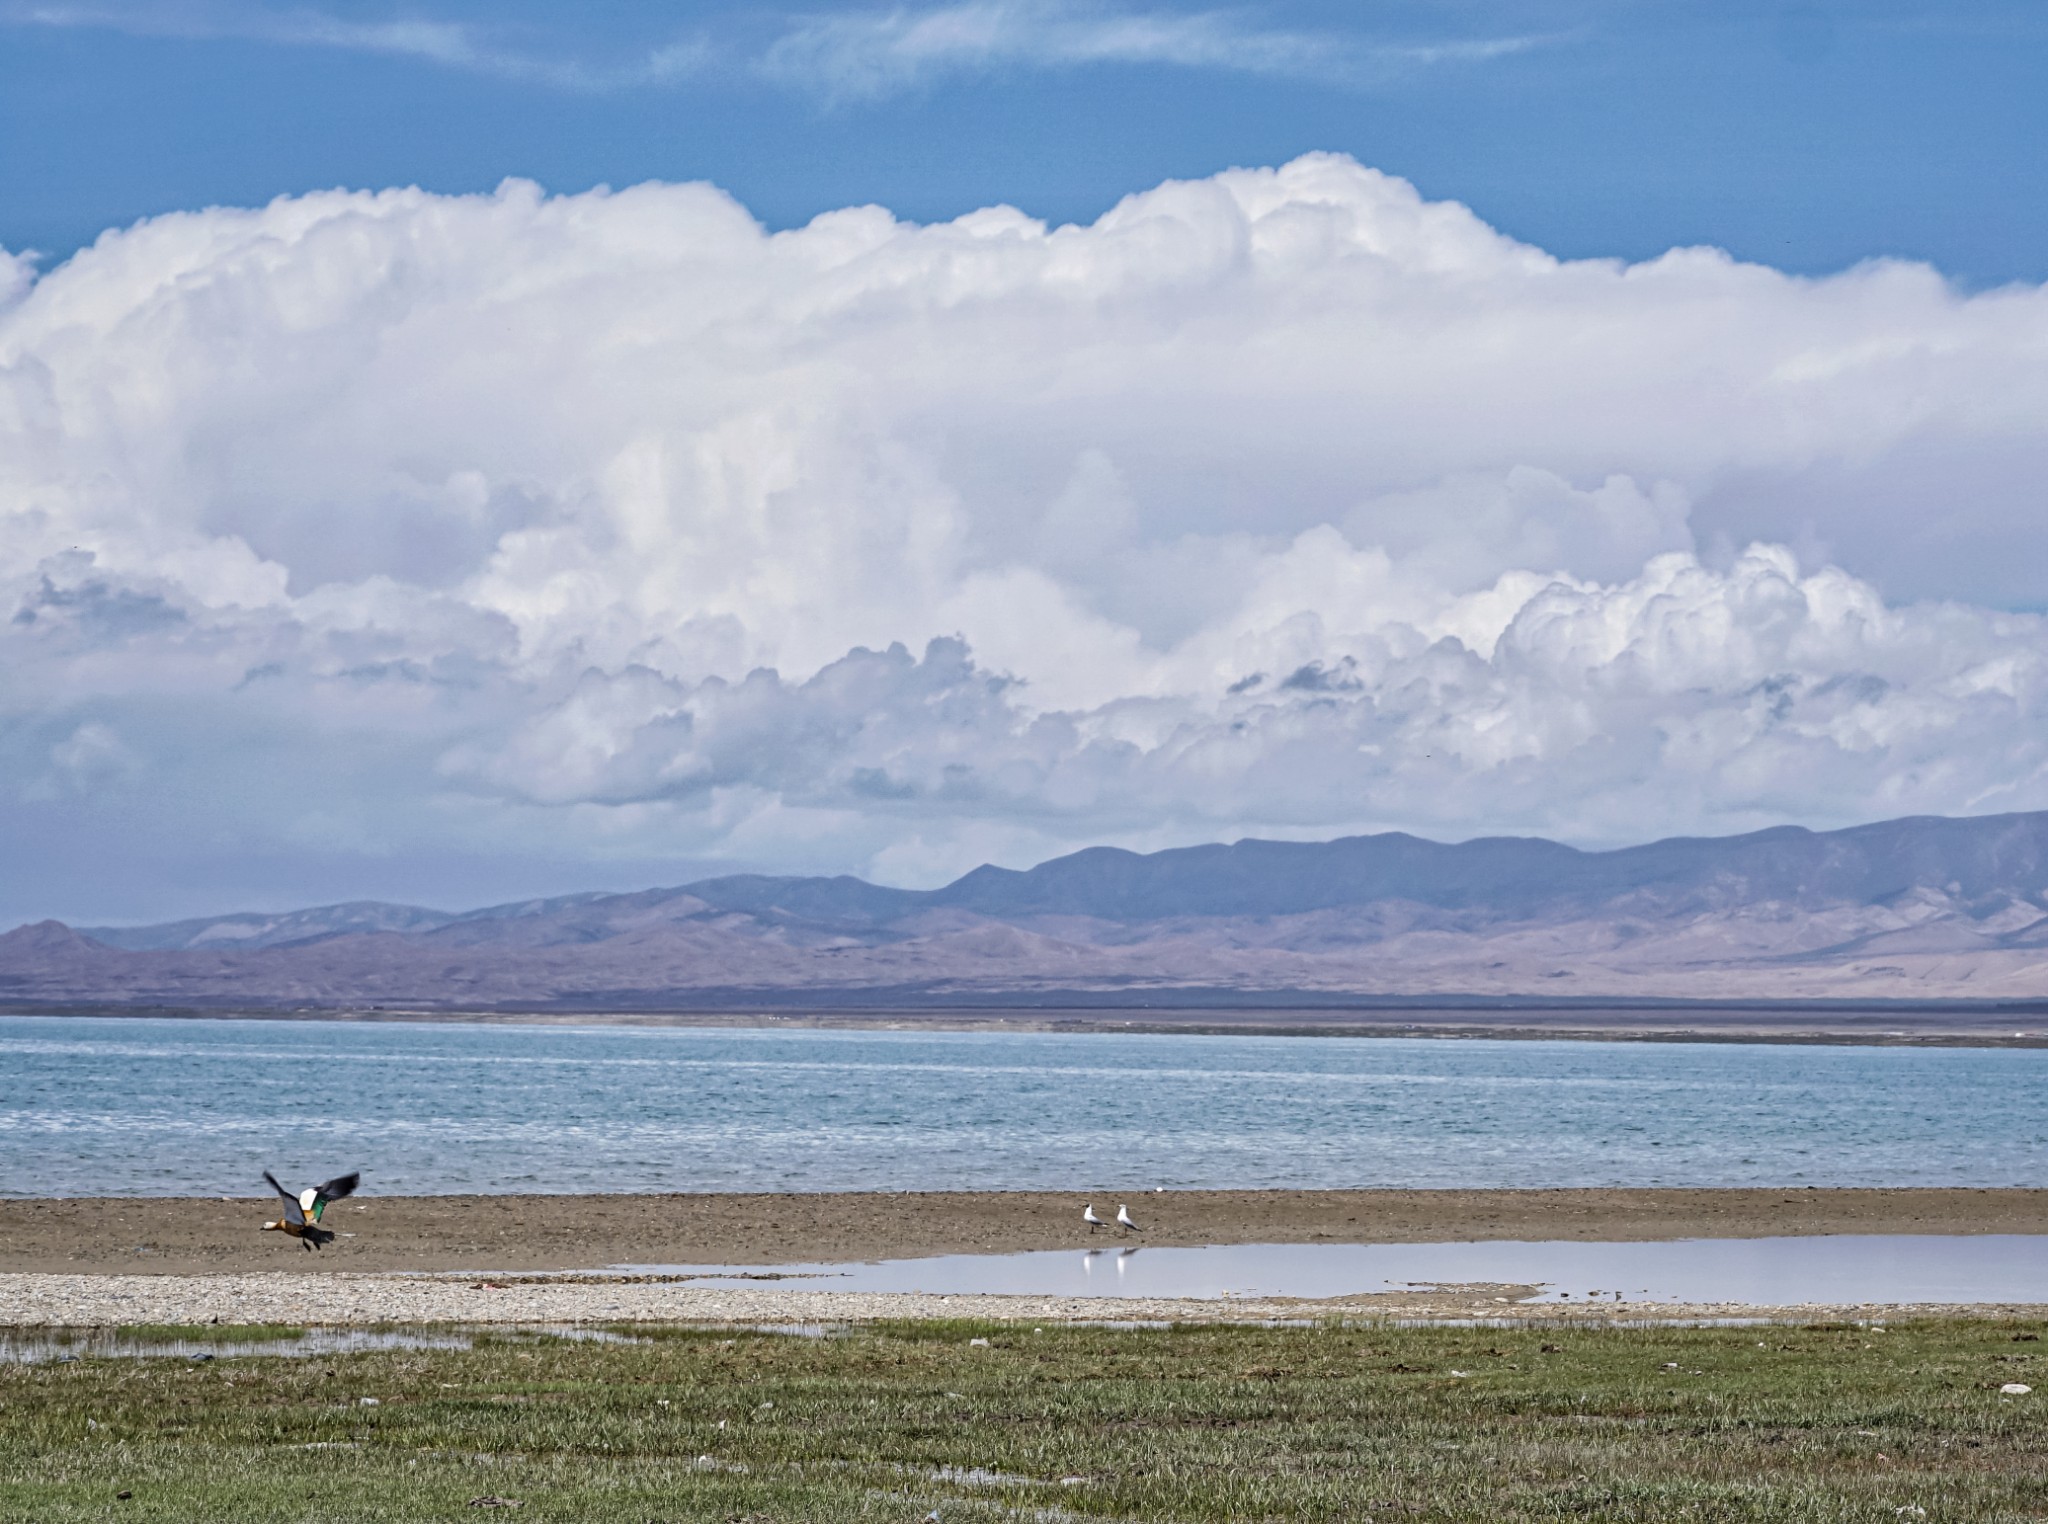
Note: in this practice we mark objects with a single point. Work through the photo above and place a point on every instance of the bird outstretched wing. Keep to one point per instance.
(292, 1210)
(334, 1190)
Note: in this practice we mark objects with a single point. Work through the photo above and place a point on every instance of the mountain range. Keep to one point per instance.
(1919, 909)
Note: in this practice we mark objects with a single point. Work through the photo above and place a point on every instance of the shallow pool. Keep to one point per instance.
(1763, 1272)
(40, 1346)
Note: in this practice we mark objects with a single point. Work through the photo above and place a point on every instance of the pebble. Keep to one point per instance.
(344, 1299)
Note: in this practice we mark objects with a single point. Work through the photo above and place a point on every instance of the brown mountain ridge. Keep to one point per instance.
(1914, 910)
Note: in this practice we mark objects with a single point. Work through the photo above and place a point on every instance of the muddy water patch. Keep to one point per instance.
(1842, 1270)
(48, 1346)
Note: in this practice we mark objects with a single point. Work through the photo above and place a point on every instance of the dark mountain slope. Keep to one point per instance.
(1995, 858)
(1518, 877)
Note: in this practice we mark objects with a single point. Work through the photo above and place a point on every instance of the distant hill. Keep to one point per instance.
(1920, 908)
(252, 930)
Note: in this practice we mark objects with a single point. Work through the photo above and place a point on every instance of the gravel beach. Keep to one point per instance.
(343, 1300)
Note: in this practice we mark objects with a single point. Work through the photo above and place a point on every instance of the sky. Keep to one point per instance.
(453, 453)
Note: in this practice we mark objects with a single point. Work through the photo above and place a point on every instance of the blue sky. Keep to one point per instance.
(1329, 444)
(1807, 135)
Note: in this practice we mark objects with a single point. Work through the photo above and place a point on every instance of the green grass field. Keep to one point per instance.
(893, 1422)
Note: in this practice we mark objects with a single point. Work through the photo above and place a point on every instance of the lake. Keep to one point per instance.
(148, 1106)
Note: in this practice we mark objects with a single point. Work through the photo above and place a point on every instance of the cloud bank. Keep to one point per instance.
(403, 529)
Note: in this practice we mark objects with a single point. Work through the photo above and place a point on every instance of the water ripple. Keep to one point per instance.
(163, 1106)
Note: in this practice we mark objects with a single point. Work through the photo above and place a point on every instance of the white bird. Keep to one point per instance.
(1088, 1216)
(1123, 1219)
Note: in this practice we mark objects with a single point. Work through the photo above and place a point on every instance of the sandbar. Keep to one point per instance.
(523, 1233)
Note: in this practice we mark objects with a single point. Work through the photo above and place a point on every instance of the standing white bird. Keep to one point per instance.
(1088, 1216)
(1123, 1219)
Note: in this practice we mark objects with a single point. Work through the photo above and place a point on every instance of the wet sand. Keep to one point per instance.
(214, 1236)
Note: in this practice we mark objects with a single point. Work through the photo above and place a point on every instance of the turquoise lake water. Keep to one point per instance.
(142, 1106)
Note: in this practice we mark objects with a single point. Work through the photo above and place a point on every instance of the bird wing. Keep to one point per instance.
(333, 1190)
(292, 1210)
(339, 1186)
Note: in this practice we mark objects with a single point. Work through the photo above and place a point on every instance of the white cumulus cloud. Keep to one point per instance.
(401, 529)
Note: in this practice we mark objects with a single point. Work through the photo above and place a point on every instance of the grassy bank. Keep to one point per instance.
(1807, 1424)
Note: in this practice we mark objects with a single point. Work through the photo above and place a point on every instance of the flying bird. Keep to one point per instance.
(314, 1198)
(1123, 1219)
(302, 1213)
(1088, 1216)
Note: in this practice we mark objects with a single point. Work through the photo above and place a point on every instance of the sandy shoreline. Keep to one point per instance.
(167, 1236)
